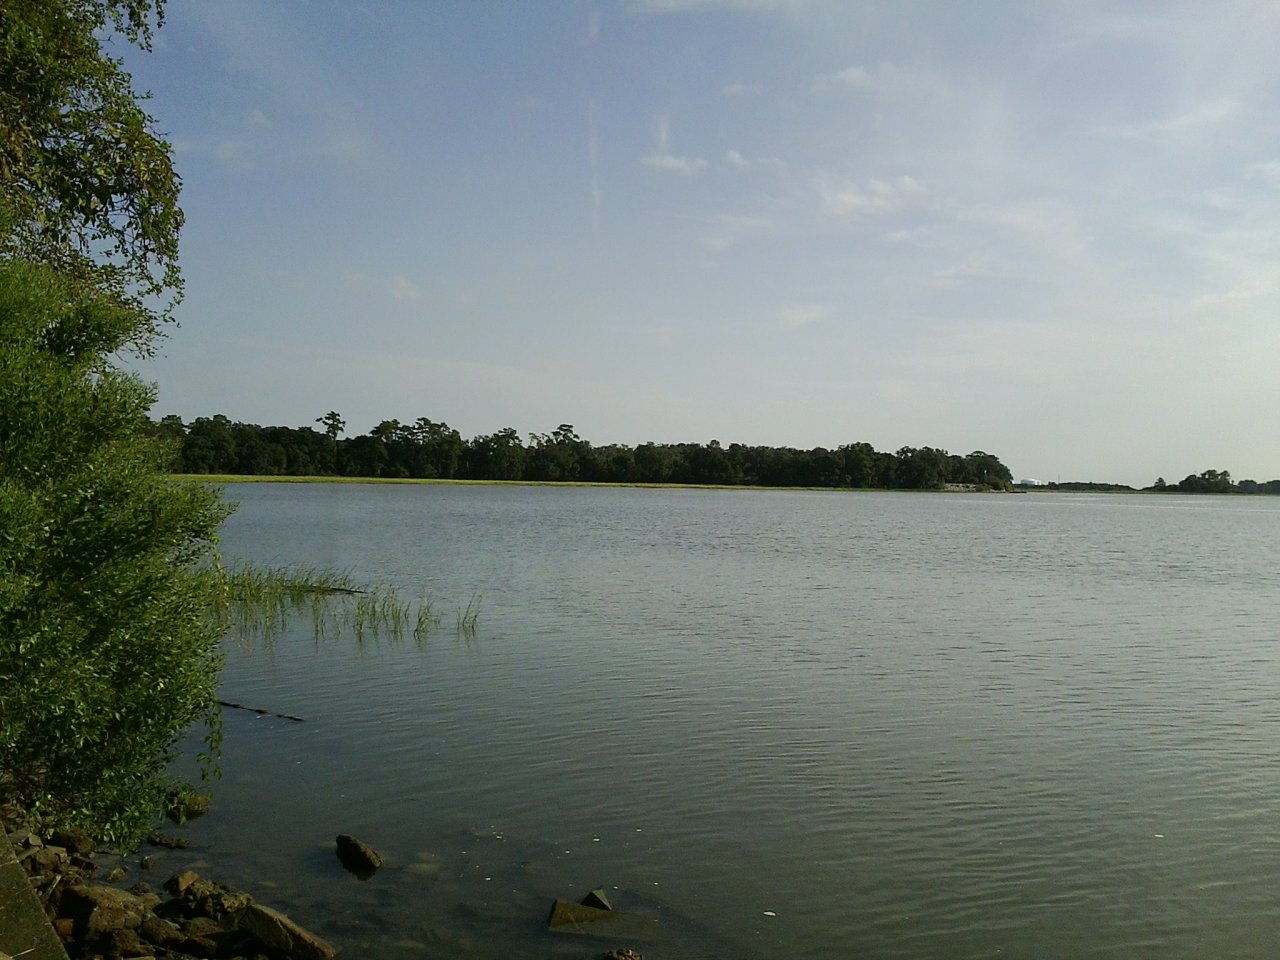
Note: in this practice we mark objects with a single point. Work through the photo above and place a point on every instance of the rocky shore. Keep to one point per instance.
(98, 914)
(188, 917)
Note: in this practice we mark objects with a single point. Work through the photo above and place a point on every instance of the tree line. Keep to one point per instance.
(1214, 481)
(427, 449)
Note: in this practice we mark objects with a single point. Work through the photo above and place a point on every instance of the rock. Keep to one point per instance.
(98, 910)
(186, 804)
(115, 876)
(24, 839)
(178, 884)
(596, 898)
(75, 840)
(124, 942)
(147, 863)
(277, 932)
(160, 932)
(43, 859)
(567, 917)
(203, 936)
(357, 856)
(158, 839)
(197, 897)
(622, 953)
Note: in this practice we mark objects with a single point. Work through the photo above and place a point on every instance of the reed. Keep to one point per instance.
(467, 618)
(259, 602)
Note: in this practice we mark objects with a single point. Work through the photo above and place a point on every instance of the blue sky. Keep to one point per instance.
(1046, 230)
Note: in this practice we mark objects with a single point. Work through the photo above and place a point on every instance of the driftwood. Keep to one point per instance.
(260, 711)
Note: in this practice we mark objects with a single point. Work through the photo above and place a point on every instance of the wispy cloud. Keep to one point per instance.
(797, 315)
(403, 289)
(1268, 172)
(729, 230)
(663, 159)
(883, 78)
(741, 89)
(702, 6)
(877, 198)
(255, 41)
(1210, 113)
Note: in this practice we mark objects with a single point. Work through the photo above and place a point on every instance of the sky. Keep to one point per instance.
(1049, 230)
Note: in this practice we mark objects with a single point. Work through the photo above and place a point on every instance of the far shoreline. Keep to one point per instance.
(238, 478)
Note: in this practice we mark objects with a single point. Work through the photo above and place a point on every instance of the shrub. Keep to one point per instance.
(108, 647)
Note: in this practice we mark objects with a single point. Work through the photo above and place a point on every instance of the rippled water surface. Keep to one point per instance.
(784, 724)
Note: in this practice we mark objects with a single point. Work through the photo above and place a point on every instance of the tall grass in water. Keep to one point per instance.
(260, 601)
(467, 618)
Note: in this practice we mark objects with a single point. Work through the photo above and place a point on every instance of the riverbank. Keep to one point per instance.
(61, 897)
(239, 478)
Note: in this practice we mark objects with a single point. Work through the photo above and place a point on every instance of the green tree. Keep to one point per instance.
(496, 456)
(333, 424)
(89, 184)
(108, 645)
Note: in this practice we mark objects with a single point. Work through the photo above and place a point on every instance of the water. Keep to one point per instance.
(787, 724)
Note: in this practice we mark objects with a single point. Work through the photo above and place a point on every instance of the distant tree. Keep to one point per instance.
(498, 456)
(921, 469)
(1210, 481)
(656, 464)
(558, 456)
(333, 424)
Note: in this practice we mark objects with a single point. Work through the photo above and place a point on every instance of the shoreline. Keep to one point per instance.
(244, 478)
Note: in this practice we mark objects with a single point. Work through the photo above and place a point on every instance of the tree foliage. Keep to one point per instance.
(430, 449)
(88, 184)
(107, 644)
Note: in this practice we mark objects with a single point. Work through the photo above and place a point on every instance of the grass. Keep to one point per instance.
(259, 602)
(467, 618)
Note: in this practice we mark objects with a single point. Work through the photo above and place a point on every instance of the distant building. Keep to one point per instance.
(1030, 483)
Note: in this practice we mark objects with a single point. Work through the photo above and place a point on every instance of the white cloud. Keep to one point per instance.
(347, 148)
(663, 159)
(877, 198)
(701, 6)
(1268, 172)
(257, 120)
(884, 78)
(1209, 113)
(728, 230)
(741, 89)
(403, 289)
(734, 159)
(667, 161)
(797, 315)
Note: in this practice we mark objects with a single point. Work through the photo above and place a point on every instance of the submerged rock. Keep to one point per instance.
(275, 931)
(186, 804)
(357, 856)
(576, 918)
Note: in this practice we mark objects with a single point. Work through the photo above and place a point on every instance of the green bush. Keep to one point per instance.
(108, 643)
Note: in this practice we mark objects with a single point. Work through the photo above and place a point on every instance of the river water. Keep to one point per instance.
(781, 724)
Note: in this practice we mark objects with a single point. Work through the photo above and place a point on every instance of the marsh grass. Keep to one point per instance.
(259, 602)
(467, 618)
